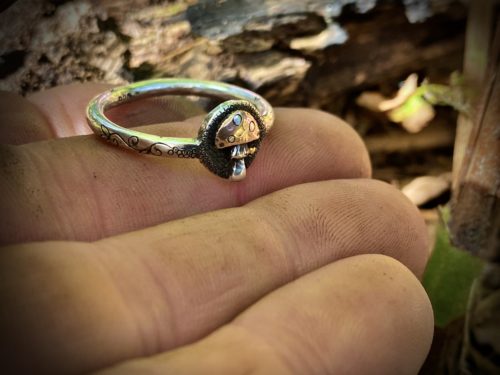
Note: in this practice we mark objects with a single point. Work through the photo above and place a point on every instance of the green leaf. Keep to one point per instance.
(448, 278)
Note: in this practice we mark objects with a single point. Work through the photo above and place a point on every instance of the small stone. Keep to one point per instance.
(237, 120)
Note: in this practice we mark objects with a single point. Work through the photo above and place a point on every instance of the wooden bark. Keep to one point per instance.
(255, 43)
(477, 45)
(476, 204)
(318, 53)
(475, 224)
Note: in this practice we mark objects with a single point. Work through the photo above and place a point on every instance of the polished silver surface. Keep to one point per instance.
(238, 124)
(239, 170)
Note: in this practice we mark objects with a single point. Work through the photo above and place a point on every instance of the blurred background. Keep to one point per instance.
(415, 78)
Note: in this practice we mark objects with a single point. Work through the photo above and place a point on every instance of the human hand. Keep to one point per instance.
(151, 265)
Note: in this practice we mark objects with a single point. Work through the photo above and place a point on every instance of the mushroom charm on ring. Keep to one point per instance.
(237, 131)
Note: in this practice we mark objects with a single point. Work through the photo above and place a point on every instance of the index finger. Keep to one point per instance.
(81, 188)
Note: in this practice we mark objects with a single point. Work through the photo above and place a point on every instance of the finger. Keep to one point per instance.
(361, 315)
(152, 290)
(21, 121)
(81, 188)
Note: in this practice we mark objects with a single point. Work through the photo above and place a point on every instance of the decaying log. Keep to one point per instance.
(477, 45)
(476, 203)
(293, 52)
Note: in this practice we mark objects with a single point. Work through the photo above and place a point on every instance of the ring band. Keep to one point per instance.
(229, 136)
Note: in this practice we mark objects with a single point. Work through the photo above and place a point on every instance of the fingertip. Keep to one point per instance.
(363, 314)
(360, 315)
(395, 312)
(305, 145)
(409, 219)
(330, 134)
(404, 312)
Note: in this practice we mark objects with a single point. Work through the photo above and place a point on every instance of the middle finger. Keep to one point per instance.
(148, 291)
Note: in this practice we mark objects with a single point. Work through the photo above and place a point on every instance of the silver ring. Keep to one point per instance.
(229, 136)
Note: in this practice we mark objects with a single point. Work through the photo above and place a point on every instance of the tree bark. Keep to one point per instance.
(475, 224)
(264, 45)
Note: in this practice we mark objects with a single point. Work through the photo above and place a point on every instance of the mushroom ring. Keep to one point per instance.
(228, 139)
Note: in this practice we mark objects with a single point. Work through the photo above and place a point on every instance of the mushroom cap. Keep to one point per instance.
(238, 128)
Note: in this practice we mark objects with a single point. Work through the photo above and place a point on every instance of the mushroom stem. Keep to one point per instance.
(239, 170)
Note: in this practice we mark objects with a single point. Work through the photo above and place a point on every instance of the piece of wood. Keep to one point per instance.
(477, 45)
(252, 43)
(476, 200)
(475, 220)
(437, 135)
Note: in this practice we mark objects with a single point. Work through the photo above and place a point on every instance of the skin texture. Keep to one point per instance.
(126, 264)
